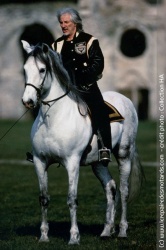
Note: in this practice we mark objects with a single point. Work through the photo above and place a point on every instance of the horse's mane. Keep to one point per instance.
(53, 63)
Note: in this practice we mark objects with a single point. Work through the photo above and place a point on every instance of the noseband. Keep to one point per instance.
(38, 90)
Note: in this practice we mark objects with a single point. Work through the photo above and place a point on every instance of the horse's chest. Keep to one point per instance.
(51, 141)
(43, 138)
(60, 138)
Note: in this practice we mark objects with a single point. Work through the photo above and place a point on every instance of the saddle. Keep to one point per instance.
(114, 114)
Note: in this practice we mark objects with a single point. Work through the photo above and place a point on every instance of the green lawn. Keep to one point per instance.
(146, 141)
(20, 211)
(17, 141)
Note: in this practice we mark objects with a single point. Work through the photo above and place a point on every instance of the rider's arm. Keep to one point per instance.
(91, 72)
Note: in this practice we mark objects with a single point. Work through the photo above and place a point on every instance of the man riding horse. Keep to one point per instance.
(83, 59)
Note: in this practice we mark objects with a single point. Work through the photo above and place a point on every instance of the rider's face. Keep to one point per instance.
(67, 26)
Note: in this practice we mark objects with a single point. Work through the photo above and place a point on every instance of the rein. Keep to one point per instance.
(56, 99)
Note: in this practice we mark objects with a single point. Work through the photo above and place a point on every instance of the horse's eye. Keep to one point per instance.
(42, 70)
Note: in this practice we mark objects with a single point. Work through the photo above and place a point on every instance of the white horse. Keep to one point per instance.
(62, 131)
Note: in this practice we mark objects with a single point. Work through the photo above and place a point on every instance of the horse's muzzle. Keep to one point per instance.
(30, 104)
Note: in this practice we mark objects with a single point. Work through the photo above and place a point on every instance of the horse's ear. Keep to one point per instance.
(45, 48)
(27, 46)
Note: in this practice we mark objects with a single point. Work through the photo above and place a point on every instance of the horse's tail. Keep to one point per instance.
(136, 177)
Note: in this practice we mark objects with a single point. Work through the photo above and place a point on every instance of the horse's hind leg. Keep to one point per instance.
(43, 198)
(109, 186)
(125, 169)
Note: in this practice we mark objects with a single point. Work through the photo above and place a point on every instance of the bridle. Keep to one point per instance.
(38, 90)
(56, 99)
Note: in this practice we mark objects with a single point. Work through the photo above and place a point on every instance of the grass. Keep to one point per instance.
(146, 141)
(20, 211)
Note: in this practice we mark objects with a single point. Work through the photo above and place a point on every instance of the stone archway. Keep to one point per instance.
(134, 86)
(140, 96)
(143, 103)
(36, 33)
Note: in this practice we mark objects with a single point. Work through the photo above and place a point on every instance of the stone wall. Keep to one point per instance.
(137, 76)
(14, 19)
(111, 22)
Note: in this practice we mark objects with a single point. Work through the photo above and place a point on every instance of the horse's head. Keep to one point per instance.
(36, 68)
(44, 67)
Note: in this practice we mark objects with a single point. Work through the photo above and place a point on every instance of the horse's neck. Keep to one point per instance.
(54, 92)
(56, 107)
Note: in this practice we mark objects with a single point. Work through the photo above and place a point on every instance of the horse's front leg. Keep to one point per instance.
(43, 198)
(72, 167)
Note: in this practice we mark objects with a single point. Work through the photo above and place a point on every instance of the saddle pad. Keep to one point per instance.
(114, 114)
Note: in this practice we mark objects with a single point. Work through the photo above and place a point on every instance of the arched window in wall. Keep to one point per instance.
(142, 100)
(36, 33)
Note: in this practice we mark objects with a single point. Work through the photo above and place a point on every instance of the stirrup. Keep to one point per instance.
(104, 154)
(29, 157)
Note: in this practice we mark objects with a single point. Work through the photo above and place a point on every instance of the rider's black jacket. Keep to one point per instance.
(82, 58)
(84, 61)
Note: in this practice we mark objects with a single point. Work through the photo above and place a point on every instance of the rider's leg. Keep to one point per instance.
(104, 134)
(100, 118)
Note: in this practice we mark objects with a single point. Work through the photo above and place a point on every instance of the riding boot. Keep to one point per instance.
(100, 120)
(105, 142)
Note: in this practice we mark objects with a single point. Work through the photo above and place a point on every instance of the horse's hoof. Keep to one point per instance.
(108, 231)
(73, 242)
(74, 238)
(122, 235)
(105, 235)
(42, 239)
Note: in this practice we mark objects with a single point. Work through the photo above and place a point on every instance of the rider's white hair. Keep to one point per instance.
(75, 17)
